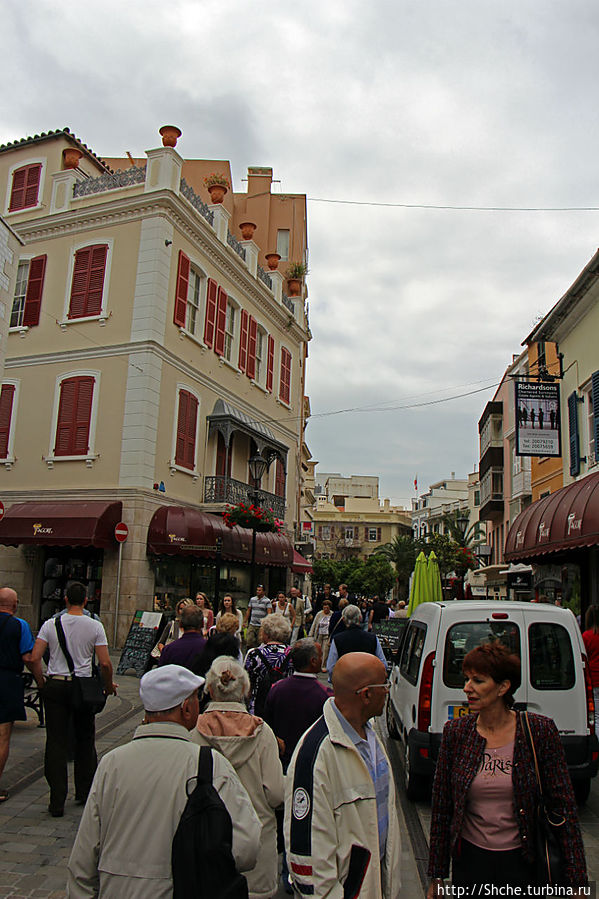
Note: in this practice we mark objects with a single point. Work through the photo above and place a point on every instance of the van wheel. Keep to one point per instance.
(391, 723)
(582, 788)
(415, 784)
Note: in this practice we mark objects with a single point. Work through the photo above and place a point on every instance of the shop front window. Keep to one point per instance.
(63, 566)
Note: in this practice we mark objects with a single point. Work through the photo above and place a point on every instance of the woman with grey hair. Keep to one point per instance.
(269, 661)
(251, 747)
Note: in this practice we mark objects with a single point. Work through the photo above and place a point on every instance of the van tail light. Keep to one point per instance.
(425, 694)
(588, 683)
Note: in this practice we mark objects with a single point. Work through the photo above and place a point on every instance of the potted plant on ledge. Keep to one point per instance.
(295, 274)
(217, 185)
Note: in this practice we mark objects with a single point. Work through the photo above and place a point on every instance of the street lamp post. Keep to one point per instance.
(257, 465)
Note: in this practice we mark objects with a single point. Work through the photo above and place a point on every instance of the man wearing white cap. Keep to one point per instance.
(123, 846)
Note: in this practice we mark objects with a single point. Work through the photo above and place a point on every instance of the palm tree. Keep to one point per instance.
(466, 538)
(402, 552)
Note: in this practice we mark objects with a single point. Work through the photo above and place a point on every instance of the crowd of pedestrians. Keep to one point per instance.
(248, 759)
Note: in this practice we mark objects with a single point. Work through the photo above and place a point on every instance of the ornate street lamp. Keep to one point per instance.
(257, 465)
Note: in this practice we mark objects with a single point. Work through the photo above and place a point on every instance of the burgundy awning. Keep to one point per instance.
(566, 519)
(61, 524)
(177, 530)
(300, 565)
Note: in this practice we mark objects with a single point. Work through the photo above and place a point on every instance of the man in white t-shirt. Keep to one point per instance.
(84, 636)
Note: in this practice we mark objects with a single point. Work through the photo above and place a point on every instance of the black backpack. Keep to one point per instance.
(202, 860)
(265, 678)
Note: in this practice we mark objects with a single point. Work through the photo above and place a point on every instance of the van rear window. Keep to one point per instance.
(411, 652)
(463, 637)
(551, 657)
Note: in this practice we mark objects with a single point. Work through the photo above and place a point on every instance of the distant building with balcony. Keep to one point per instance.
(154, 348)
(441, 498)
(357, 530)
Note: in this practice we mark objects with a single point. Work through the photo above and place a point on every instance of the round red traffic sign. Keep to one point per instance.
(121, 532)
(1, 511)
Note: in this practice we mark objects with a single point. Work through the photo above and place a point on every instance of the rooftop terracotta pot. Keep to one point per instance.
(71, 157)
(170, 135)
(294, 285)
(247, 230)
(272, 260)
(217, 192)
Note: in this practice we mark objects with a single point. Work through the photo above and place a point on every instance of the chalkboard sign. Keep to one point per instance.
(390, 634)
(143, 634)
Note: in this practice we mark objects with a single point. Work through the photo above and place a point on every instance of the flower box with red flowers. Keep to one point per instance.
(253, 518)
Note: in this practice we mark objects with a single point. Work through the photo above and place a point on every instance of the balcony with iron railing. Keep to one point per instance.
(491, 494)
(221, 489)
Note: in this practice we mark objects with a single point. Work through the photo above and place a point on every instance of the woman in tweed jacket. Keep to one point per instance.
(467, 747)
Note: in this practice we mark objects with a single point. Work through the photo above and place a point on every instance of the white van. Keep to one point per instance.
(427, 680)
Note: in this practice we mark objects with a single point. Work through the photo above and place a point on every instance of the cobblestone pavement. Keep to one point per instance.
(35, 847)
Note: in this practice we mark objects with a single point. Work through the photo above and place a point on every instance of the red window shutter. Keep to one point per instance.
(243, 340)
(88, 281)
(186, 430)
(270, 362)
(251, 357)
(74, 416)
(365, 533)
(181, 290)
(223, 470)
(6, 400)
(378, 534)
(285, 385)
(211, 294)
(35, 286)
(221, 320)
(320, 532)
(280, 479)
(25, 187)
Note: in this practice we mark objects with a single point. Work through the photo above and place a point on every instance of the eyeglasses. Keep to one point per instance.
(386, 687)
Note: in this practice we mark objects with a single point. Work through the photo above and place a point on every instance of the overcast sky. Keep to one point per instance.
(430, 102)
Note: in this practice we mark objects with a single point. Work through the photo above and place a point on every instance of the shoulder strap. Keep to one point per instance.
(62, 640)
(264, 659)
(525, 721)
(205, 765)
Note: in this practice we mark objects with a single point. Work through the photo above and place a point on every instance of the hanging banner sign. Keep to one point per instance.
(537, 419)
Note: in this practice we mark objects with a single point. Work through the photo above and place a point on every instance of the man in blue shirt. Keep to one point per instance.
(16, 643)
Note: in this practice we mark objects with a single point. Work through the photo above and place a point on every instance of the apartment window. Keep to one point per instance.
(186, 432)
(74, 416)
(229, 335)
(280, 479)
(260, 343)
(325, 532)
(7, 398)
(25, 187)
(220, 329)
(270, 362)
(373, 534)
(283, 244)
(285, 381)
(349, 533)
(87, 287)
(249, 337)
(27, 299)
(477, 497)
(593, 419)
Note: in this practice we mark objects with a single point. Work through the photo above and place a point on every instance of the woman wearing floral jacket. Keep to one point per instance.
(485, 789)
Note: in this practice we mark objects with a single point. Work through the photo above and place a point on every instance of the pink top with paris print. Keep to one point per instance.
(489, 820)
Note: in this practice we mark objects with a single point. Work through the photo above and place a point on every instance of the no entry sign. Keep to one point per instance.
(1, 511)
(121, 532)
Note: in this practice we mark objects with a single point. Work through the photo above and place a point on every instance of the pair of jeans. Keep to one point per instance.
(63, 720)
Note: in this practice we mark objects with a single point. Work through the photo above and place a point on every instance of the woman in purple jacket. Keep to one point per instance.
(484, 793)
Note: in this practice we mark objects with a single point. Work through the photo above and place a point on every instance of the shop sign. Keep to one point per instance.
(39, 529)
(537, 419)
(174, 538)
(574, 523)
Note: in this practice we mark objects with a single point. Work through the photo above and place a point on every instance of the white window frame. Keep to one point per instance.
(283, 243)
(10, 459)
(588, 440)
(200, 275)
(195, 472)
(372, 539)
(231, 343)
(40, 191)
(103, 314)
(90, 457)
(15, 329)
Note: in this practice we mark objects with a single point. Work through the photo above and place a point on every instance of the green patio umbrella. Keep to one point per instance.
(419, 588)
(434, 579)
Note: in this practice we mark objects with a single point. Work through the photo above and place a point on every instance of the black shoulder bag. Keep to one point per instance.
(88, 692)
(549, 857)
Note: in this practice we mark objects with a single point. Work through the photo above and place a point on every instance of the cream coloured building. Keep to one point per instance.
(151, 353)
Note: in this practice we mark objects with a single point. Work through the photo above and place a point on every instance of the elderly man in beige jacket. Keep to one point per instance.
(123, 846)
(341, 827)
